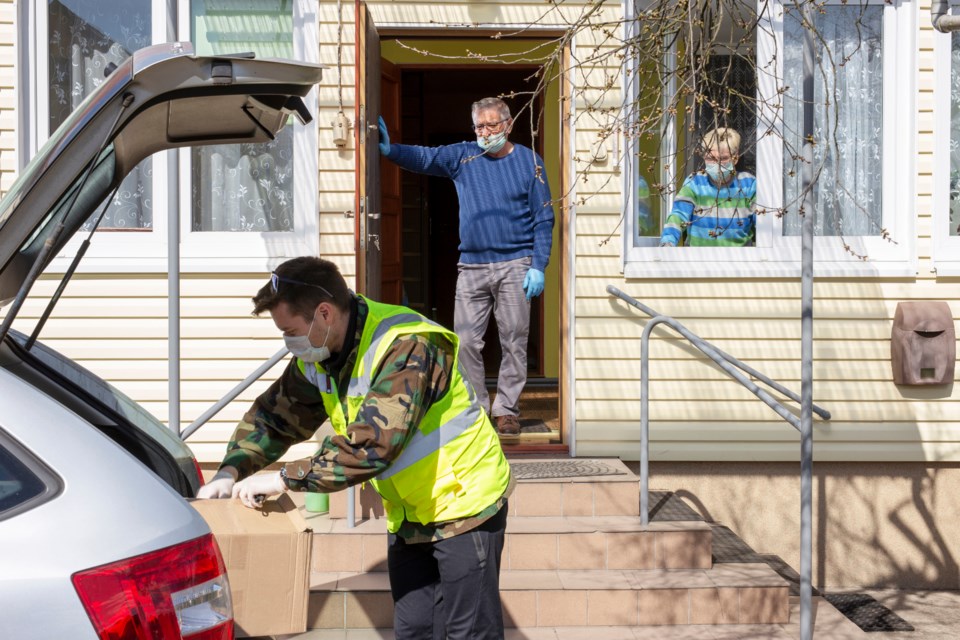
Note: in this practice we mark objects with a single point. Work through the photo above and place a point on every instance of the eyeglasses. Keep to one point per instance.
(275, 281)
(489, 126)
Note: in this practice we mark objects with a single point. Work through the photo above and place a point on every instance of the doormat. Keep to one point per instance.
(536, 427)
(562, 469)
(864, 611)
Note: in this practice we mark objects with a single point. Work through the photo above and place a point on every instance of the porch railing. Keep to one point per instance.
(735, 369)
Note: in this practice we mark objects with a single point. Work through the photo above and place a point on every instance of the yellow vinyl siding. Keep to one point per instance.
(696, 412)
(337, 166)
(8, 94)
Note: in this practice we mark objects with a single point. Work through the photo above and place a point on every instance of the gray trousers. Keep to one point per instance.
(496, 286)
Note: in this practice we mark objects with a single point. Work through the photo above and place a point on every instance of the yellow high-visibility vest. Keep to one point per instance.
(452, 466)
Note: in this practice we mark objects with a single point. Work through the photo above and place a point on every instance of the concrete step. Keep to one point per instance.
(724, 595)
(616, 494)
(537, 544)
(827, 622)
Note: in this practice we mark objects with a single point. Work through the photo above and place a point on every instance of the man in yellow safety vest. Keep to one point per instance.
(406, 420)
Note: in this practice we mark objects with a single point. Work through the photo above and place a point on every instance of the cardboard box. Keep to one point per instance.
(267, 553)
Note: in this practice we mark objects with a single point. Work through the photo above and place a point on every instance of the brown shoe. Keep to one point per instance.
(508, 425)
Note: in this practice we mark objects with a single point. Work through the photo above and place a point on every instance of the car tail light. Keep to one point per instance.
(176, 592)
(196, 465)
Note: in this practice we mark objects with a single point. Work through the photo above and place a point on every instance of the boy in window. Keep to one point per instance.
(714, 207)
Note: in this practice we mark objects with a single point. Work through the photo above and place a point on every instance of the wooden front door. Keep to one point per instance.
(391, 228)
(367, 204)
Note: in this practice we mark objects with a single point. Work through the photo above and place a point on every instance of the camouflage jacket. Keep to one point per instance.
(413, 373)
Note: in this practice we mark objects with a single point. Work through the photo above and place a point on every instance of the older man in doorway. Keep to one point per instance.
(506, 232)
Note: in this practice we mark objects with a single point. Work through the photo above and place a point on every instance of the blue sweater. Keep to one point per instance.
(505, 208)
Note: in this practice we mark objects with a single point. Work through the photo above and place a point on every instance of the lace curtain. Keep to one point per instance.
(243, 187)
(86, 37)
(848, 116)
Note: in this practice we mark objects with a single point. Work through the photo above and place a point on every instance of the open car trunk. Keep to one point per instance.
(162, 97)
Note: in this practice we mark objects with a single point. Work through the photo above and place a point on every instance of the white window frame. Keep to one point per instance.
(218, 251)
(946, 248)
(776, 255)
(120, 251)
(215, 252)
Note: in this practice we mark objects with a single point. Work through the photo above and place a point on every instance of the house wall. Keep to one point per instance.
(886, 465)
(696, 412)
(875, 524)
(8, 94)
(887, 462)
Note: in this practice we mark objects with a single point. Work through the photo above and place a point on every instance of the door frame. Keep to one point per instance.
(564, 195)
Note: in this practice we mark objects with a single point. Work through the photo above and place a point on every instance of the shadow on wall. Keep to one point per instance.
(875, 524)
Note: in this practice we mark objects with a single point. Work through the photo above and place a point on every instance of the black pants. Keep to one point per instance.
(449, 590)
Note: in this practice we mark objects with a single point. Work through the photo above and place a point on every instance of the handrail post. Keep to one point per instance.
(351, 507)
(808, 211)
(645, 421)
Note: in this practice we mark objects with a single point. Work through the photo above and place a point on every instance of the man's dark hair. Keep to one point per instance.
(303, 283)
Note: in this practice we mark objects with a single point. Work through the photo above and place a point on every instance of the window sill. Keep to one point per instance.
(655, 269)
(946, 269)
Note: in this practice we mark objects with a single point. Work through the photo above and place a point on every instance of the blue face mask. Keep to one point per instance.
(492, 144)
(720, 173)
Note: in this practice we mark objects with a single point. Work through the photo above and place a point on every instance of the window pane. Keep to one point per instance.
(848, 118)
(955, 134)
(87, 39)
(243, 187)
(730, 83)
(646, 222)
(17, 483)
(647, 161)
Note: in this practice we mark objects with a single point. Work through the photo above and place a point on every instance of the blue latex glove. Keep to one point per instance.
(533, 283)
(384, 136)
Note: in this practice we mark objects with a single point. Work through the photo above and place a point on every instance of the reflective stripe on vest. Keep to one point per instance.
(423, 444)
(470, 471)
(360, 386)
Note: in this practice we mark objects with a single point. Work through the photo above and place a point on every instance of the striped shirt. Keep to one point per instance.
(712, 216)
(505, 206)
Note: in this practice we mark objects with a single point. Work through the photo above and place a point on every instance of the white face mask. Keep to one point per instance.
(301, 347)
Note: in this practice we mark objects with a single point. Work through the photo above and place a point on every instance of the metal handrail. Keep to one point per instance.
(725, 361)
(233, 393)
(697, 342)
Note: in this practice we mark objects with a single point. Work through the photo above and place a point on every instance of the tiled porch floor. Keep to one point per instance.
(935, 615)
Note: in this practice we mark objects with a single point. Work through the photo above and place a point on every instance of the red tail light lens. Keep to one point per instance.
(177, 592)
(196, 465)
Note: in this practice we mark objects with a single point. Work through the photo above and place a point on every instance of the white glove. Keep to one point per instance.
(220, 486)
(254, 489)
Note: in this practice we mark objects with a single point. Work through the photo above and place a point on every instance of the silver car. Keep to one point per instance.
(96, 538)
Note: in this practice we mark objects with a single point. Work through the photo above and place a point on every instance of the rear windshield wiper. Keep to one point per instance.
(51, 242)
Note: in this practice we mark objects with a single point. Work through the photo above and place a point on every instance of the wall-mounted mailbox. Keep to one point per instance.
(923, 346)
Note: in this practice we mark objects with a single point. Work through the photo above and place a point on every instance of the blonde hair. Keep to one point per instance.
(725, 136)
